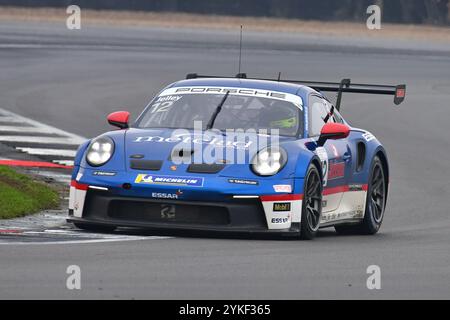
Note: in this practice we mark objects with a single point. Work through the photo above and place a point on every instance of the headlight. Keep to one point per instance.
(100, 151)
(269, 161)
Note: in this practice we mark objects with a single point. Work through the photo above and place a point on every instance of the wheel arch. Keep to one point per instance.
(303, 163)
(381, 154)
(316, 162)
(78, 158)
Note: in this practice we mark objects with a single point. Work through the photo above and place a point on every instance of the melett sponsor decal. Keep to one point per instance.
(197, 139)
(143, 178)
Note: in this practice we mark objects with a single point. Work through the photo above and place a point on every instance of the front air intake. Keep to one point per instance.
(138, 164)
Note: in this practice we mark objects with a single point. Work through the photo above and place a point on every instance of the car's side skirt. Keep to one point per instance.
(351, 206)
(338, 222)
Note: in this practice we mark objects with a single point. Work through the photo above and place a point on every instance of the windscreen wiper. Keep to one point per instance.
(216, 112)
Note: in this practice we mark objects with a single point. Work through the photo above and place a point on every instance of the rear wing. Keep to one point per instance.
(398, 91)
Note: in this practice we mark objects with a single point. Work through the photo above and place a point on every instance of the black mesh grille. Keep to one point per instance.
(232, 213)
(168, 213)
(205, 168)
(145, 164)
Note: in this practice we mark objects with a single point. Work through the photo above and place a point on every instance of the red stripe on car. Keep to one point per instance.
(78, 186)
(344, 188)
(326, 191)
(281, 197)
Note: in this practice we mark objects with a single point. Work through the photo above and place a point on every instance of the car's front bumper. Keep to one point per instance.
(101, 207)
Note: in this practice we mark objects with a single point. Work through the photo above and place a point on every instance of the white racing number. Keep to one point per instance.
(164, 103)
(323, 156)
(368, 136)
(161, 106)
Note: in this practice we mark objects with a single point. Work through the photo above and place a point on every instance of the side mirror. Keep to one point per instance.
(119, 119)
(333, 131)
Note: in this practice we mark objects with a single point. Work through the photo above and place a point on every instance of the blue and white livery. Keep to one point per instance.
(235, 155)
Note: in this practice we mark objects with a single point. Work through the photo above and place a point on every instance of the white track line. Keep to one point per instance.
(86, 234)
(48, 152)
(41, 140)
(13, 128)
(81, 241)
(82, 234)
(64, 162)
(66, 138)
(11, 120)
(76, 139)
(63, 178)
(100, 237)
(29, 141)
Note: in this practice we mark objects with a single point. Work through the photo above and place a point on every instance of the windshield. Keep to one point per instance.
(241, 109)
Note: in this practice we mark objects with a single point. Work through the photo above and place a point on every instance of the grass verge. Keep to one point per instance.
(21, 194)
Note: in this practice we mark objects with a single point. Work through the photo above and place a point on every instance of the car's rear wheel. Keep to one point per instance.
(312, 204)
(93, 227)
(375, 203)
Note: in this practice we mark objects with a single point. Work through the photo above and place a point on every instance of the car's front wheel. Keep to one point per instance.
(375, 203)
(312, 204)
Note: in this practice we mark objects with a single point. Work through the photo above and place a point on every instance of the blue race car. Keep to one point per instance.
(238, 154)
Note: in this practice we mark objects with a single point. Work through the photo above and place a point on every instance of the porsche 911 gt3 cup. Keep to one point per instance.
(235, 155)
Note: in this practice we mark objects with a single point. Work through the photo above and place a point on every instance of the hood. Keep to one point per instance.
(233, 151)
(207, 146)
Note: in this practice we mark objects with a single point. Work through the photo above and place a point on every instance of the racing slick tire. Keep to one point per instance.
(375, 203)
(94, 228)
(312, 204)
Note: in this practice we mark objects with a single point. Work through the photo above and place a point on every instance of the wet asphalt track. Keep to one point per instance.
(72, 79)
